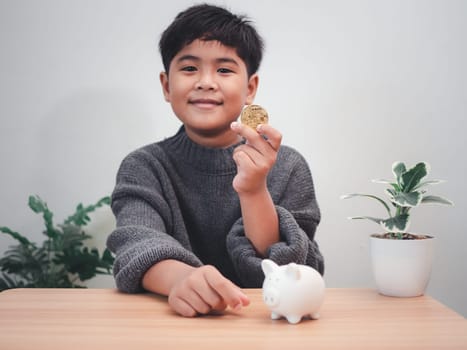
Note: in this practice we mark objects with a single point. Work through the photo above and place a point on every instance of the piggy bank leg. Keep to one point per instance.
(314, 316)
(294, 319)
(275, 316)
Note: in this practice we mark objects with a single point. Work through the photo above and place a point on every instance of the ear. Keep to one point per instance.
(164, 79)
(292, 271)
(253, 82)
(268, 266)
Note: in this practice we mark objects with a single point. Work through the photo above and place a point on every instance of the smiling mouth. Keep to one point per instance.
(205, 102)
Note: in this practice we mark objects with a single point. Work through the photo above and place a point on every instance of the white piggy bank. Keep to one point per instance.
(292, 291)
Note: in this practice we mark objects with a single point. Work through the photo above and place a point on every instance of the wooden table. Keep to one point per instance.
(106, 319)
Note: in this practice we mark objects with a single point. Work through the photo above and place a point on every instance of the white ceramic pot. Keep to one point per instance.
(401, 268)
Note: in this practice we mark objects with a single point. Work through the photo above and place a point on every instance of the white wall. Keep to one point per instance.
(354, 85)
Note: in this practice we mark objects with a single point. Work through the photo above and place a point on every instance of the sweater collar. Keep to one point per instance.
(201, 158)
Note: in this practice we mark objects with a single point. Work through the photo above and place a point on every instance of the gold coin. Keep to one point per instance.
(253, 115)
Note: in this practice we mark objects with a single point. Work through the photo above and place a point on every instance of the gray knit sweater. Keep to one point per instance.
(174, 200)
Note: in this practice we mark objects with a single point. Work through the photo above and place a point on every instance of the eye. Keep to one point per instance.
(189, 69)
(225, 70)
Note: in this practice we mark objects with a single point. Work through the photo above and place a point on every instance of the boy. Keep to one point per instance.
(197, 212)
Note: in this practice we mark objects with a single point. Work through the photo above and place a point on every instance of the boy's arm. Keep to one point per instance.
(291, 186)
(147, 257)
(193, 290)
(260, 220)
(254, 161)
(143, 219)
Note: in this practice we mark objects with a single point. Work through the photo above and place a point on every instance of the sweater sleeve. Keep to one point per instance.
(145, 232)
(299, 216)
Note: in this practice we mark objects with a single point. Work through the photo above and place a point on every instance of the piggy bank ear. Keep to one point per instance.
(292, 271)
(268, 266)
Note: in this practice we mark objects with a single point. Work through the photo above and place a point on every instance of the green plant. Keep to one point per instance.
(62, 261)
(406, 192)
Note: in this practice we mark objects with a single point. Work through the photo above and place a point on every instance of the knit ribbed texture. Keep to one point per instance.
(174, 200)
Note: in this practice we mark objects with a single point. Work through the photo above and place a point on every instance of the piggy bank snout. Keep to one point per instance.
(271, 297)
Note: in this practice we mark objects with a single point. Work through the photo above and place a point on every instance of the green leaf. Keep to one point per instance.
(81, 217)
(73, 236)
(107, 258)
(412, 177)
(376, 220)
(86, 262)
(398, 168)
(24, 261)
(398, 223)
(394, 185)
(436, 200)
(103, 201)
(411, 199)
(382, 181)
(352, 195)
(429, 182)
(59, 258)
(39, 206)
(20, 238)
(8, 282)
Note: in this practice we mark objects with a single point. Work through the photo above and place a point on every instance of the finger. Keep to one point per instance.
(181, 307)
(197, 302)
(244, 131)
(229, 292)
(264, 157)
(273, 136)
(244, 299)
(251, 163)
(266, 142)
(244, 157)
(211, 298)
(201, 296)
(221, 306)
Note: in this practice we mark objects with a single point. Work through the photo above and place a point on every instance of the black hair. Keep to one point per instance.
(209, 22)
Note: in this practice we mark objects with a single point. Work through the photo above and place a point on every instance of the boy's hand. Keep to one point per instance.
(204, 290)
(255, 158)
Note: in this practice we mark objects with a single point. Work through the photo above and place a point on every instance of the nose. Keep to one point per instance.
(271, 297)
(206, 81)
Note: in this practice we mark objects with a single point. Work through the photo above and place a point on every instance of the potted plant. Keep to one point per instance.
(401, 260)
(62, 260)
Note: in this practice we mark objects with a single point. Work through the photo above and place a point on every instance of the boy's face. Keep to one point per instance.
(208, 86)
